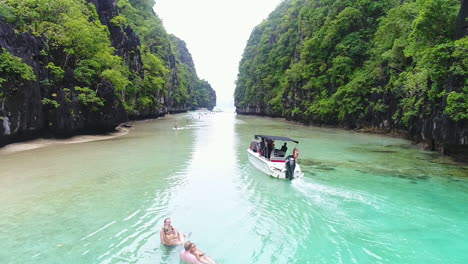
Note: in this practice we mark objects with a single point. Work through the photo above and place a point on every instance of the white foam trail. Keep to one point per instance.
(120, 233)
(372, 254)
(100, 229)
(316, 192)
(132, 215)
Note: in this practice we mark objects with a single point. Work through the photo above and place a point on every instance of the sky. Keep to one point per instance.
(216, 33)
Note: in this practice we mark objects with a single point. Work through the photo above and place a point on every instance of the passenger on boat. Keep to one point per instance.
(169, 235)
(254, 145)
(186, 256)
(284, 148)
(270, 148)
(262, 148)
(281, 152)
(200, 255)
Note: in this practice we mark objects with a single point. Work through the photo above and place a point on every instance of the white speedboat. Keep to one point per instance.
(274, 162)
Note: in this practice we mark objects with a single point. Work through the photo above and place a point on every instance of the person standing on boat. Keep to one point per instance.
(270, 148)
(262, 148)
(254, 145)
(179, 237)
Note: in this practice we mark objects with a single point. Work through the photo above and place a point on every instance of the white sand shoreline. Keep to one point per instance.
(41, 142)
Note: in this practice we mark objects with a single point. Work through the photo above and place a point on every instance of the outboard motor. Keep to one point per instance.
(290, 166)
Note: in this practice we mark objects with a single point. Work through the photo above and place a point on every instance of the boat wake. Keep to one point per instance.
(339, 211)
(181, 128)
(320, 193)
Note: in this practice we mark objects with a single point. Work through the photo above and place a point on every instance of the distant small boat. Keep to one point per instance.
(274, 162)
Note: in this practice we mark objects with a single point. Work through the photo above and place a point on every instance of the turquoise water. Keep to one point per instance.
(364, 198)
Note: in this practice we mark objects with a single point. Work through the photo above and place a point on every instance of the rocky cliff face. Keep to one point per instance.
(436, 134)
(44, 107)
(195, 86)
(124, 40)
(184, 55)
(322, 64)
(127, 45)
(23, 113)
(22, 110)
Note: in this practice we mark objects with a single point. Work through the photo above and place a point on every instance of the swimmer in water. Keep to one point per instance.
(200, 255)
(186, 257)
(169, 235)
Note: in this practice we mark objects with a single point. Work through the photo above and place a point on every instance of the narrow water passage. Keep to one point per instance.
(364, 198)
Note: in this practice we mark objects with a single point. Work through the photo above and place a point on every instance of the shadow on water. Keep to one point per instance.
(314, 167)
(316, 164)
(383, 151)
(421, 155)
(386, 149)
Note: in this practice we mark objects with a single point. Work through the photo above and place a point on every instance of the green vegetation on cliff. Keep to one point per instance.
(71, 26)
(161, 55)
(13, 67)
(81, 55)
(388, 63)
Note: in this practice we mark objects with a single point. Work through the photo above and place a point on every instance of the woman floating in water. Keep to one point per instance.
(200, 255)
(169, 235)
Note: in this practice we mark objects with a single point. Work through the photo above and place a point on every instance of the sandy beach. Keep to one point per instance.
(39, 143)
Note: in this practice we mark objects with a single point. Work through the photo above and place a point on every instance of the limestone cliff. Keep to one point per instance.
(387, 66)
(51, 88)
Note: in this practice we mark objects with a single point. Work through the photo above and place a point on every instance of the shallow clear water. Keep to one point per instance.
(364, 198)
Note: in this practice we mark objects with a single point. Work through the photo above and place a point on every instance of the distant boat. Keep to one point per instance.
(276, 163)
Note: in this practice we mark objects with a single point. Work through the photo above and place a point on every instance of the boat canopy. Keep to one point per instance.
(276, 138)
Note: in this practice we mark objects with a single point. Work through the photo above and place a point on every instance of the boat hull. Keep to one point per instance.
(274, 169)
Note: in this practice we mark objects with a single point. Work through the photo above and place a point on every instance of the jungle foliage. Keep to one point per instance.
(13, 67)
(80, 54)
(165, 73)
(357, 62)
